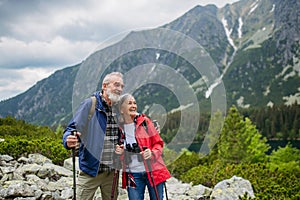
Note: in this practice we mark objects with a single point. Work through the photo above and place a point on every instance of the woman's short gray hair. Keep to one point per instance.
(123, 98)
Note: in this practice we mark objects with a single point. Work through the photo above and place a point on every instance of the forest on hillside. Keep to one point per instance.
(275, 123)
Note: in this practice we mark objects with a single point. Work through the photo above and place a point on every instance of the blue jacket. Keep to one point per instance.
(92, 134)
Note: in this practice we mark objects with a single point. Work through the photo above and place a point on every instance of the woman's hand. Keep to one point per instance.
(119, 149)
(147, 153)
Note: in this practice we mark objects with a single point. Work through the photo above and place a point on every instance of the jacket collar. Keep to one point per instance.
(100, 101)
(139, 119)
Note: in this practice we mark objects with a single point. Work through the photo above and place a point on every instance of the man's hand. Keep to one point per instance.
(72, 140)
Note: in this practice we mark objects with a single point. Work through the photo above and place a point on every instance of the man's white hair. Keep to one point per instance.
(108, 77)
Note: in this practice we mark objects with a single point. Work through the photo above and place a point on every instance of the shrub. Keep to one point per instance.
(285, 159)
(49, 147)
(169, 155)
(21, 139)
(266, 182)
(285, 154)
(183, 163)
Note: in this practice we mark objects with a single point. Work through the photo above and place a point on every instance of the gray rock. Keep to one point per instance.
(232, 188)
(38, 159)
(20, 189)
(37, 178)
(67, 193)
(68, 164)
(6, 158)
(29, 169)
(199, 191)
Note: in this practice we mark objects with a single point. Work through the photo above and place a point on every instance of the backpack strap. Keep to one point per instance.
(145, 124)
(91, 112)
(93, 107)
(156, 125)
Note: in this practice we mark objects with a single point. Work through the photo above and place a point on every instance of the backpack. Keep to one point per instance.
(91, 113)
(92, 110)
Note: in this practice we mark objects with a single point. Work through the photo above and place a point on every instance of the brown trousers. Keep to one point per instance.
(87, 185)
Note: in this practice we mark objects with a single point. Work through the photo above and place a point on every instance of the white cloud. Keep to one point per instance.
(39, 36)
(19, 80)
(57, 52)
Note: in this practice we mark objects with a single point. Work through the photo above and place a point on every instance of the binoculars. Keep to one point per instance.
(133, 149)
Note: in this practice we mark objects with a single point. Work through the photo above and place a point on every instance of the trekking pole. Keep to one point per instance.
(116, 175)
(74, 169)
(151, 175)
(166, 191)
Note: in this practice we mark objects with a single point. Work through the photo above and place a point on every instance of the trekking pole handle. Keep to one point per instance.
(74, 132)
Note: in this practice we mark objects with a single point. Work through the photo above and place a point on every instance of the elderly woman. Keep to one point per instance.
(142, 153)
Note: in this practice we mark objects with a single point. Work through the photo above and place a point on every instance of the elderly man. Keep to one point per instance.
(97, 131)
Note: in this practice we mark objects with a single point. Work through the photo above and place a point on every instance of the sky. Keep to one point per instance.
(39, 37)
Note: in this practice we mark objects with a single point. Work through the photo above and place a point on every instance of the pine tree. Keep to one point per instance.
(209, 145)
(240, 141)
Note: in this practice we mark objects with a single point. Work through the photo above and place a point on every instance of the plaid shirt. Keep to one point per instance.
(110, 139)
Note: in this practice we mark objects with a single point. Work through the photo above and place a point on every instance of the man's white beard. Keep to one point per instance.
(113, 97)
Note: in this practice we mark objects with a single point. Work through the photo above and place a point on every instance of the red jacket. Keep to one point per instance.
(147, 136)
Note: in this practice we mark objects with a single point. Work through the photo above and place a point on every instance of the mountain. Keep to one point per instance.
(254, 45)
(47, 102)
